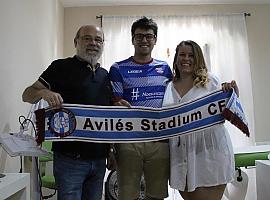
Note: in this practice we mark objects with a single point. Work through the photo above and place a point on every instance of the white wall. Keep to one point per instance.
(258, 30)
(31, 37)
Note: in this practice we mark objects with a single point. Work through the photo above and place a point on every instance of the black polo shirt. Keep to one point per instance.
(78, 84)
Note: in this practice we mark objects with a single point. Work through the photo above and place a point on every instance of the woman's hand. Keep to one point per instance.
(228, 86)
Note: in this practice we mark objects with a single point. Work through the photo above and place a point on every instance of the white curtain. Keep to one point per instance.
(223, 39)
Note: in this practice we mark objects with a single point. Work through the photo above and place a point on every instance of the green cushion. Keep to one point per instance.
(48, 182)
(47, 145)
(248, 159)
(45, 158)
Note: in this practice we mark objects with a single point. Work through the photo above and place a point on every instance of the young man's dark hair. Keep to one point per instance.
(144, 23)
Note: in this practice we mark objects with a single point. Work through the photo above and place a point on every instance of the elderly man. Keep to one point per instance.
(79, 167)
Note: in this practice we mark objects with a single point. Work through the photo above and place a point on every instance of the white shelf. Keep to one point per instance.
(15, 186)
(263, 179)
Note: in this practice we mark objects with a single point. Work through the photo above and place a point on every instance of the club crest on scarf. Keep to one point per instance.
(62, 122)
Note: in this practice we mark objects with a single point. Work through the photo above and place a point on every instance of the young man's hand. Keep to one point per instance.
(122, 102)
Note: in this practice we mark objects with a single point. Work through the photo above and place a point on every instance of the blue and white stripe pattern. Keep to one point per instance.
(141, 124)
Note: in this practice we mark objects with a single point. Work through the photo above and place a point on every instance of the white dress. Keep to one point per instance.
(202, 158)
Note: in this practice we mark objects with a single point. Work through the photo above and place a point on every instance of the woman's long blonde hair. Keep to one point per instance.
(200, 74)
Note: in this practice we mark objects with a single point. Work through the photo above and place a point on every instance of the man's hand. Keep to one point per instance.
(37, 91)
(54, 99)
(111, 161)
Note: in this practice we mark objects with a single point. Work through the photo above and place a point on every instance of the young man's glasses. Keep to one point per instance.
(148, 37)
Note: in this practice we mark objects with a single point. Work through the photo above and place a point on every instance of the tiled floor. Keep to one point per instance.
(235, 190)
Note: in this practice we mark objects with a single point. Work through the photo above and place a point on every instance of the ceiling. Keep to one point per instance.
(77, 3)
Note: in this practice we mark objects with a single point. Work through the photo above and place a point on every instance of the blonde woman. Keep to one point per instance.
(202, 163)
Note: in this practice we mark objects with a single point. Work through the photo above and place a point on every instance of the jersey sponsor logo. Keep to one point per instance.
(153, 95)
(147, 94)
(135, 94)
(135, 71)
(62, 122)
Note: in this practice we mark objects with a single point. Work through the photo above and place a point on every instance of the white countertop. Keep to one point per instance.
(12, 183)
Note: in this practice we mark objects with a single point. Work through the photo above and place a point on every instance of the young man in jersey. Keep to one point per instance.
(141, 80)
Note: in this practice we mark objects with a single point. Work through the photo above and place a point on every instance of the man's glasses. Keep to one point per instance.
(88, 38)
(148, 36)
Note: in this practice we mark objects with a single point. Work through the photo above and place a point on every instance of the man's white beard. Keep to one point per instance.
(90, 58)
